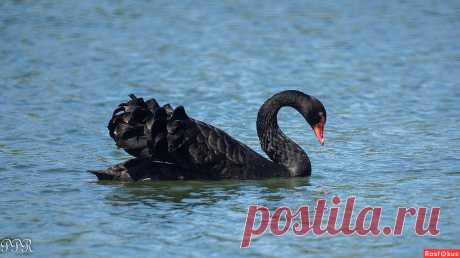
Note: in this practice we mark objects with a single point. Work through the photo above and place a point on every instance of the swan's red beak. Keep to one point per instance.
(319, 131)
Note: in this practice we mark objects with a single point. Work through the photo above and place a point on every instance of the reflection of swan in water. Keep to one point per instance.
(169, 145)
(153, 193)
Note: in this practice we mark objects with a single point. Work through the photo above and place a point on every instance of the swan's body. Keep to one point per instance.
(169, 145)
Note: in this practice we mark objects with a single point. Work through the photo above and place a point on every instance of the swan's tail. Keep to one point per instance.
(116, 172)
(141, 169)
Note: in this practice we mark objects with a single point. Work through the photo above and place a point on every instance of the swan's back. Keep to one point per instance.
(211, 152)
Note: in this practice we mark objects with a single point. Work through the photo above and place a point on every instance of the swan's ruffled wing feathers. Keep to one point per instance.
(156, 131)
(127, 127)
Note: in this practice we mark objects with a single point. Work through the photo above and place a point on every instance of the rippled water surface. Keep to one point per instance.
(388, 73)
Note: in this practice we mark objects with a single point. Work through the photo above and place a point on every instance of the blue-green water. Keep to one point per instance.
(388, 73)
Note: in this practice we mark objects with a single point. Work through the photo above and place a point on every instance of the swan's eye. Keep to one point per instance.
(320, 118)
(315, 120)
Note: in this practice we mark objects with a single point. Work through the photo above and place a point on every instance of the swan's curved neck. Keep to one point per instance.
(280, 148)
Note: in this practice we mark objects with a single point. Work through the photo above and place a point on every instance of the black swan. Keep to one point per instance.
(168, 145)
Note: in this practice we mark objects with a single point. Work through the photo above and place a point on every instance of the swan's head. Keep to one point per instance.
(310, 107)
(317, 118)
